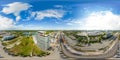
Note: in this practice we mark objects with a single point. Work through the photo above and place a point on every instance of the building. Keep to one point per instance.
(95, 33)
(9, 37)
(81, 33)
(90, 33)
(43, 41)
(42, 33)
(2, 33)
(108, 35)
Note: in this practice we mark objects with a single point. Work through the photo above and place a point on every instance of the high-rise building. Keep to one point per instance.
(43, 41)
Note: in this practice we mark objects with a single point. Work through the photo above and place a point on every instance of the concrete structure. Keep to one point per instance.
(43, 41)
(2, 33)
(111, 51)
(42, 33)
(9, 37)
(108, 35)
(95, 33)
(90, 33)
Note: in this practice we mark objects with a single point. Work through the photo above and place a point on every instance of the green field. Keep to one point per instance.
(25, 48)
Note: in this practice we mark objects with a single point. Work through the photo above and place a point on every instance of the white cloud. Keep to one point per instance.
(16, 8)
(58, 6)
(6, 23)
(27, 27)
(39, 15)
(103, 20)
(18, 18)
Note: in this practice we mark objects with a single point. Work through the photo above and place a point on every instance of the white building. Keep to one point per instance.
(90, 33)
(43, 41)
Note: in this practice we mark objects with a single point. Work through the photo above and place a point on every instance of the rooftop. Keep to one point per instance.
(93, 33)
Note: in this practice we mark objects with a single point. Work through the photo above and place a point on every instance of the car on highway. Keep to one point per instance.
(1, 56)
(117, 56)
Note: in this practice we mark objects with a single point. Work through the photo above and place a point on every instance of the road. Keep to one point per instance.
(2, 52)
(56, 53)
(107, 54)
(117, 55)
(53, 56)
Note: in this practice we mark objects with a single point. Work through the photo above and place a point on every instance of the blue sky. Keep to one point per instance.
(63, 15)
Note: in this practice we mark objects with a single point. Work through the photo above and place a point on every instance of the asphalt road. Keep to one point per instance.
(70, 56)
(106, 55)
(2, 52)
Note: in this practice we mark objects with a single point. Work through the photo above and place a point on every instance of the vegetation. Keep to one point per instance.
(49, 31)
(26, 48)
(0, 37)
(84, 39)
(5, 43)
(71, 33)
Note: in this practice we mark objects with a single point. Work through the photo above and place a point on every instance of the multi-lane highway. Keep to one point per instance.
(64, 50)
(109, 53)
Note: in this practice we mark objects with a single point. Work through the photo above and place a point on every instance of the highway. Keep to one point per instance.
(117, 55)
(53, 56)
(2, 52)
(109, 53)
(67, 51)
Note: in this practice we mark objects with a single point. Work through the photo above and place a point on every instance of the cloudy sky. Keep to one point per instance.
(55, 15)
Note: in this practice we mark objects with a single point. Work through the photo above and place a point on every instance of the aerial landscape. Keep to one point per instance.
(59, 30)
(59, 44)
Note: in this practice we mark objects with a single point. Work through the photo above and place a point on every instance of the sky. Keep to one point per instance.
(59, 15)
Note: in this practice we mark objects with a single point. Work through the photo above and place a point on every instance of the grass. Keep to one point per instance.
(1, 38)
(48, 32)
(6, 43)
(26, 48)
